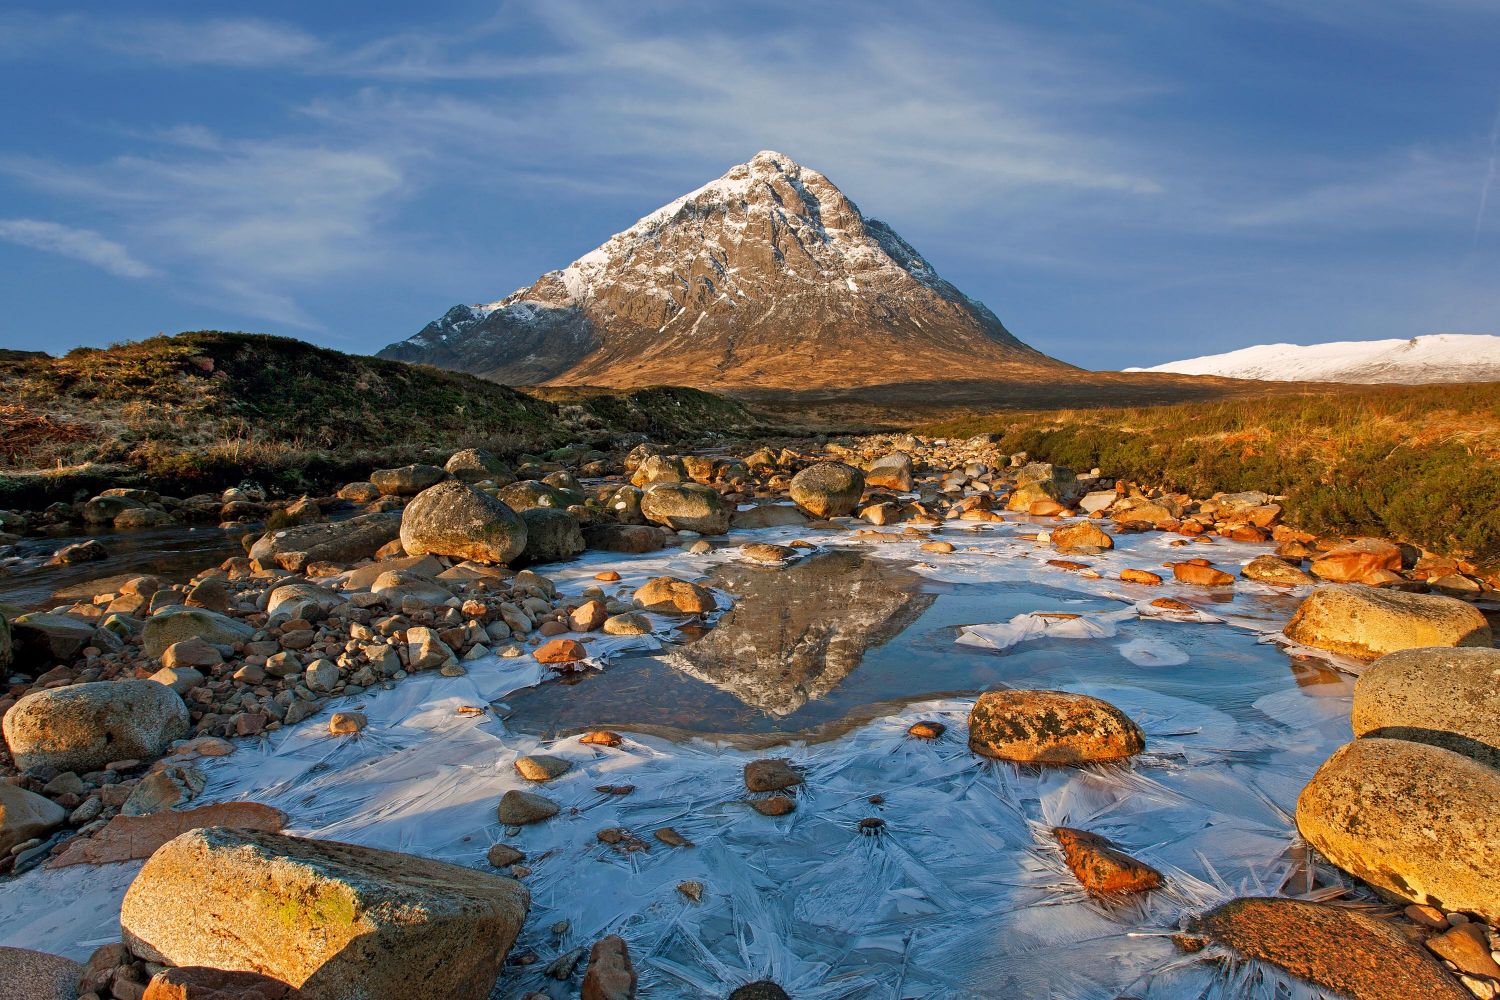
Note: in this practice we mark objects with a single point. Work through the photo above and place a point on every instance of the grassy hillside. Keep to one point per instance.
(205, 408)
(1418, 463)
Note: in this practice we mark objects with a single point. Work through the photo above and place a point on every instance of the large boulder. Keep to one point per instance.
(336, 542)
(43, 638)
(82, 727)
(1413, 820)
(1051, 727)
(24, 815)
(1082, 536)
(530, 493)
(551, 535)
(337, 921)
(890, 472)
(659, 469)
(36, 975)
(475, 465)
(686, 507)
(451, 519)
(408, 480)
(177, 622)
(1449, 698)
(195, 982)
(1349, 953)
(1365, 622)
(828, 489)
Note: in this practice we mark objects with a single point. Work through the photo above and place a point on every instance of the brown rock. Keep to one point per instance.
(561, 651)
(926, 730)
(1198, 573)
(131, 838)
(602, 738)
(1140, 576)
(1466, 946)
(610, 975)
(1051, 727)
(24, 815)
(1084, 537)
(1101, 866)
(776, 805)
(668, 595)
(1338, 949)
(771, 774)
(346, 723)
(588, 616)
(503, 855)
(941, 547)
(1277, 572)
(195, 982)
(520, 808)
(542, 767)
(1357, 561)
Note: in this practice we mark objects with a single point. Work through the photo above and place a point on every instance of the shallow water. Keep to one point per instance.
(962, 895)
(172, 552)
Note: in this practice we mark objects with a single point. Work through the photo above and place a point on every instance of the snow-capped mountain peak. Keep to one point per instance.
(1441, 357)
(768, 275)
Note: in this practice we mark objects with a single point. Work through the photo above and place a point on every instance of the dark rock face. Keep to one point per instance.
(768, 277)
(795, 633)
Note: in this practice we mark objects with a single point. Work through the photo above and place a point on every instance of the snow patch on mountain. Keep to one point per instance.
(1442, 357)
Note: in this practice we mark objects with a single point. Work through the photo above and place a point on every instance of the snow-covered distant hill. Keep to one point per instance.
(1441, 357)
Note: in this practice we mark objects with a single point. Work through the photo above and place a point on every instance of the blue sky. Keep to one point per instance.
(1122, 182)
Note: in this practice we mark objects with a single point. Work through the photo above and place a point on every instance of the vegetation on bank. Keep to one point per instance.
(1415, 463)
(200, 410)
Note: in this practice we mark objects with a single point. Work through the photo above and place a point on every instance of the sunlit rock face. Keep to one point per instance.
(795, 633)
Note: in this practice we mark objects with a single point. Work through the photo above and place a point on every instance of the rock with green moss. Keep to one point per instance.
(334, 920)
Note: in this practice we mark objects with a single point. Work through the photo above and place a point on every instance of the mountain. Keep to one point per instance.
(767, 278)
(1443, 357)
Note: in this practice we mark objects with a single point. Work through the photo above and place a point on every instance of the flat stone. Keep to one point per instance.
(133, 838)
(1051, 727)
(776, 805)
(1336, 948)
(520, 808)
(542, 767)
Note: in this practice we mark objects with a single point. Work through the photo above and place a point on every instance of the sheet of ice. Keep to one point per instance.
(961, 894)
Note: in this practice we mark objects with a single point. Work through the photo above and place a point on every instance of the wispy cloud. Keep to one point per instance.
(230, 42)
(79, 244)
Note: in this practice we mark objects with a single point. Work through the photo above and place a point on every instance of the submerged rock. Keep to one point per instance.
(771, 774)
(1051, 727)
(1413, 820)
(1366, 623)
(335, 920)
(1333, 947)
(1449, 698)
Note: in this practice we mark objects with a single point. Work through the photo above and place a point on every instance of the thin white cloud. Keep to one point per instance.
(79, 244)
(229, 42)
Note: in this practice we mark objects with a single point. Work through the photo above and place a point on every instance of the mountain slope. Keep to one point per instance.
(766, 278)
(1444, 357)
